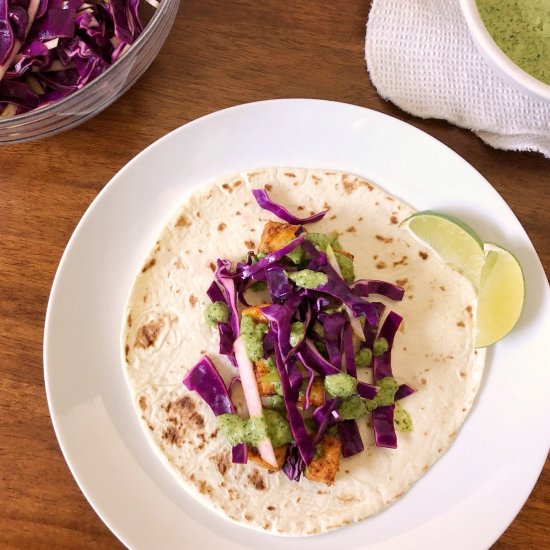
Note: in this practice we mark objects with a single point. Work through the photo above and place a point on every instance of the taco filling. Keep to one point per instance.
(298, 354)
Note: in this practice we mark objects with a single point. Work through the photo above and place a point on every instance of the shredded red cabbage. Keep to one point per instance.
(382, 417)
(290, 395)
(207, 382)
(51, 48)
(370, 331)
(227, 336)
(332, 333)
(239, 454)
(323, 417)
(309, 355)
(349, 352)
(338, 288)
(333, 325)
(294, 464)
(270, 339)
(249, 271)
(262, 198)
(320, 303)
(311, 375)
(280, 318)
(367, 391)
(278, 284)
(352, 444)
(403, 391)
(214, 293)
(7, 34)
(382, 363)
(365, 287)
(384, 430)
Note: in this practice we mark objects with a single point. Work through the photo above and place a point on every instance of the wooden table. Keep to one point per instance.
(219, 54)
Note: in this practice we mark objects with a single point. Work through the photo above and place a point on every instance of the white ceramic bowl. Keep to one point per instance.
(497, 58)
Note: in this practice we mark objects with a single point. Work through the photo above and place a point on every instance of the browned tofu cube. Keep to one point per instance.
(325, 468)
(280, 455)
(316, 394)
(256, 313)
(261, 370)
(276, 235)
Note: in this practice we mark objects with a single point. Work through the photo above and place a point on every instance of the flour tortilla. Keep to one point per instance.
(165, 335)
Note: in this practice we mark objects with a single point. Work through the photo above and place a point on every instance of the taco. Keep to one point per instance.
(358, 289)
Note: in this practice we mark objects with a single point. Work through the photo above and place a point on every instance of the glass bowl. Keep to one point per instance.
(98, 94)
(497, 59)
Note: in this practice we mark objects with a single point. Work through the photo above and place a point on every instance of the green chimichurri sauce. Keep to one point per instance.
(402, 419)
(297, 256)
(306, 278)
(272, 377)
(215, 313)
(253, 336)
(318, 240)
(340, 385)
(345, 263)
(272, 425)
(274, 402)
(521, 29)
(386, 393)
(352, 408)
(321, 241)
(297, 331)
(380, 346)
(363, 358)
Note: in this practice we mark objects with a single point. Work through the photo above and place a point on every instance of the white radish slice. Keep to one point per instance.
(252, 397)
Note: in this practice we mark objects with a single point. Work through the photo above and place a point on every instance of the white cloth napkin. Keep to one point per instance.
(421, 57)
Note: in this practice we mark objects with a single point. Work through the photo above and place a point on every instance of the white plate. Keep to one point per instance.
(465, 501)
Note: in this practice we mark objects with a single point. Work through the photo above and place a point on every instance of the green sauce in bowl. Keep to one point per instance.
(521, 29)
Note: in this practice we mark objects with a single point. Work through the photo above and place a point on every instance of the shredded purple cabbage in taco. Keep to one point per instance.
(262, 198)
(314, 360)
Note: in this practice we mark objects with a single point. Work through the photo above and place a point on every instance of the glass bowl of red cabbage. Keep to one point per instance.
(64, 61)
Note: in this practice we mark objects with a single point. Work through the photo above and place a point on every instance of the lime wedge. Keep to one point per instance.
(501, 295)
(455, 242)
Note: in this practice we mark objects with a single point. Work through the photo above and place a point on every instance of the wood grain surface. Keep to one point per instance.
(220, 53)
